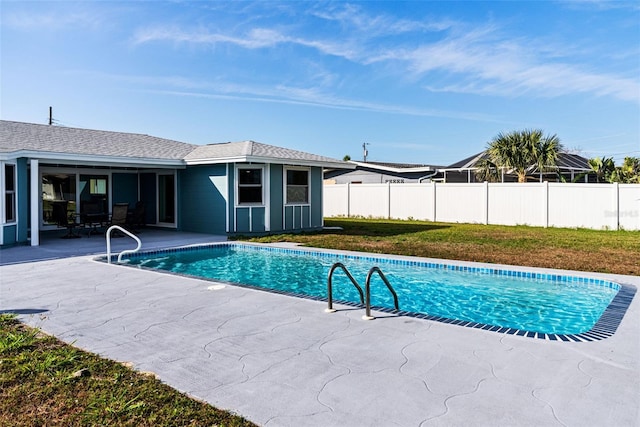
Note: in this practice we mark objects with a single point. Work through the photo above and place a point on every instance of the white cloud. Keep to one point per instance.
(477, 60)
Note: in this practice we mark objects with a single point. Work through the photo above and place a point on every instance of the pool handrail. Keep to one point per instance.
(330, 308)
(126, 251)
(376, 269)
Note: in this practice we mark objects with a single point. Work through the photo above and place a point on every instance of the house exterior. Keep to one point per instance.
(229, 188)
(569, 166)
(381, 173)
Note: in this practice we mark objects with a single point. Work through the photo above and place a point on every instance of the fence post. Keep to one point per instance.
(486, 203)
(348, 199)
(546, 204)
(433, 184)
(388, 200)
(616, 203)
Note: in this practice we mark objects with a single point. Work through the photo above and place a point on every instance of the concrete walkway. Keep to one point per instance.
(282, 361)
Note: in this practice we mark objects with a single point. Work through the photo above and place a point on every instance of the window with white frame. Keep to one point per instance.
(10, 192)
(250, 186)
(297, 186)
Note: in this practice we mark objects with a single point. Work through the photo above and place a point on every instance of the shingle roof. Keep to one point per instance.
(254, 150)
(65, 141)
(16, 136)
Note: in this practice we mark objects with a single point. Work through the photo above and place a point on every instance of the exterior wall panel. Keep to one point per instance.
(201, 204)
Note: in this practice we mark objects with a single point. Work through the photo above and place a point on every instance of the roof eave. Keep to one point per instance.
(392, 169)
(273, 160)
(92, 160)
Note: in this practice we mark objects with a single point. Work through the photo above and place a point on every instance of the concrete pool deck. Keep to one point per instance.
(281, 361)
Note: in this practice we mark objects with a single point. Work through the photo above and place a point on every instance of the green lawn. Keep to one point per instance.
(44, 382)
(574, 249)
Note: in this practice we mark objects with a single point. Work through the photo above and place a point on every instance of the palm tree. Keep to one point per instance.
(520, 151)
(602, 167)
(628, 173)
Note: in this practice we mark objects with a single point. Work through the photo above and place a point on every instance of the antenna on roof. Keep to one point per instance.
(50, 116)
(365, 153)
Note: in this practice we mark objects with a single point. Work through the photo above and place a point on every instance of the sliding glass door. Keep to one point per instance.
(167, 199)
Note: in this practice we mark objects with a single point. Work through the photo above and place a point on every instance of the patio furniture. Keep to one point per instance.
(63, 219)
(137, 218)
(119, 216)
(93, 216)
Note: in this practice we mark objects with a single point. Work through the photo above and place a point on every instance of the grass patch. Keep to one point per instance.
(574, 249)
(46, 382)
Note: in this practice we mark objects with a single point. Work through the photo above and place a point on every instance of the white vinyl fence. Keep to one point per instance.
(596, 206)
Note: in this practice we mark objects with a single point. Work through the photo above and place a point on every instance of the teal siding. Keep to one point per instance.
(304, 217)
(316, 198)
(124, 188)
(232, 197)
(201, 204)
(9, 234)
(242, 220)
(276, 197)
(258, 220)
(21, 230)
(288, 218)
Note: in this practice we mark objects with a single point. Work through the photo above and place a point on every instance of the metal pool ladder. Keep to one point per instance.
(126, 251)
(367, 303)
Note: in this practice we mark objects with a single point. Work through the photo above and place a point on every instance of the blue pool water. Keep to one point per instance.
(541, 303)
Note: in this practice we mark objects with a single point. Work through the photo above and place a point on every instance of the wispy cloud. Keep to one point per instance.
(315, 98)
(457, 58)
(479, 63)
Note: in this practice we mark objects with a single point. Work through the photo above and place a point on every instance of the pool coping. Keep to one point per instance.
(605, 326)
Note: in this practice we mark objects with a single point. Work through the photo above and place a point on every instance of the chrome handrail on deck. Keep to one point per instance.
(367, 315)
(330, 308)
(126, 251)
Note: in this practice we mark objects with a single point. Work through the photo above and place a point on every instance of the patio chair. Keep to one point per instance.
(137, 219)
(119, 217)
(93, 216)
(63, 219)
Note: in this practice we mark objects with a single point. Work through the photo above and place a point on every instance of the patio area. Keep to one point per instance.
(53, 246)
(281, 361)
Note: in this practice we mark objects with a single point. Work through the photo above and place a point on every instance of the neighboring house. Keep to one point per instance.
(569, 165)
(381, 173)
(234, 188)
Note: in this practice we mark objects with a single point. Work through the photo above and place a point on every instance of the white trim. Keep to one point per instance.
(36, 196)
(285, 184)
(267, 205)
(91, 160)
(273, 160)
(263, 184)
(173, 224)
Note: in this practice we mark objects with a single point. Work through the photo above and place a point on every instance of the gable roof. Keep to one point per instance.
(251, 151)
(56, 142)
(76, 146)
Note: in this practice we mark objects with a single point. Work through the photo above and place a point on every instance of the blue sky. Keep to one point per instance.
(420, 82)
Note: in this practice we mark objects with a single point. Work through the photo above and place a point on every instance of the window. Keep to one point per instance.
(297, 186)
(10, 192)
(249, 186)
(98, 186)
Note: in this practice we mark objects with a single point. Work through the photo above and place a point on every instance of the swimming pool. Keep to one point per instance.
(510, 301)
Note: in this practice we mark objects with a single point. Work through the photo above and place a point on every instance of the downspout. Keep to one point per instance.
(434, 173)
